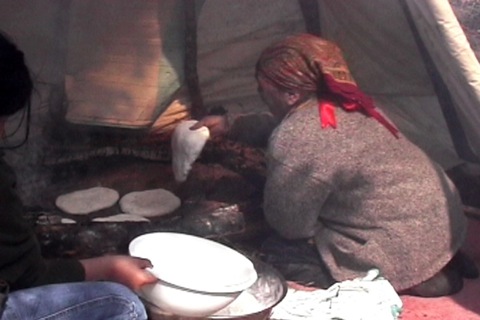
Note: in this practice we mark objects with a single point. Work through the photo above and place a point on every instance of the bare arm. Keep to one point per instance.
(129, 271)
(253, 128)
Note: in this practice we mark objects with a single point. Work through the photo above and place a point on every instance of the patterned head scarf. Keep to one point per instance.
(310, 64)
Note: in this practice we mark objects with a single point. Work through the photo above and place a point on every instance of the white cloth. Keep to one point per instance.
(368, 298)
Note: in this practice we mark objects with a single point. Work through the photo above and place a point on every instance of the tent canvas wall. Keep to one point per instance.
(392, 68)
(411, 56)
(381, 49)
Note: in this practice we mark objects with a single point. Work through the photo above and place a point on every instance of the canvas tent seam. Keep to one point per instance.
(454, 125)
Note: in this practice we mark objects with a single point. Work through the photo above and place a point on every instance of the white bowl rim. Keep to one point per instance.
(239, 278)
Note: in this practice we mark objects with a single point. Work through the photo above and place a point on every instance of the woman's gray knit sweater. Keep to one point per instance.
(368, 199)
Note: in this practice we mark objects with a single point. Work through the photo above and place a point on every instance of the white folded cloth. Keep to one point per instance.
(369, 298)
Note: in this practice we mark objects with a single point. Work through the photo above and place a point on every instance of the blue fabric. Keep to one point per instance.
(82, 301)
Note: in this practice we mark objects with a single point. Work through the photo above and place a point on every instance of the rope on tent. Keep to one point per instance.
(460, 140)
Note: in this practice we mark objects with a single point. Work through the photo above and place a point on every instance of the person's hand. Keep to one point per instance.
(129, 271)
(218, 125)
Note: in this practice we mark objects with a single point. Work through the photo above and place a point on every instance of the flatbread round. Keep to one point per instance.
(87, 201)
(67, 221)
(150, 203)
(121, 217)
(186, 147)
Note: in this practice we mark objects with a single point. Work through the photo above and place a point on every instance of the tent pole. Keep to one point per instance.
(311, 15)
(459, 138)
(191, 76)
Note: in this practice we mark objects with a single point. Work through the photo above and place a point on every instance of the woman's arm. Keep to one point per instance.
(293, 200)
(253, 128)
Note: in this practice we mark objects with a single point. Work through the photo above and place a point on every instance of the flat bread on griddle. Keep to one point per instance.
(82, 202)
(122, 217)
(149, 203)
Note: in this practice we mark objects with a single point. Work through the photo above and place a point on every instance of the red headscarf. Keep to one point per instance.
(307, 63)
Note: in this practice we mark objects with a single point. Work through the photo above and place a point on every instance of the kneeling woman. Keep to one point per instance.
(345, 192)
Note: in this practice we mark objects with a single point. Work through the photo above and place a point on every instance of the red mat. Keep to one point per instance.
(464, 305)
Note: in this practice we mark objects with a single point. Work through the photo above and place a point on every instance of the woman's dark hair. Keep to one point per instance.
(16, 84)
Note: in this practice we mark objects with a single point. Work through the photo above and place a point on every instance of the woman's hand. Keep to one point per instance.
(218, 125)
(129, 271)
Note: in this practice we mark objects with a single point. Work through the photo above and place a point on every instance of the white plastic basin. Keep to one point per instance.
(197, 276)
